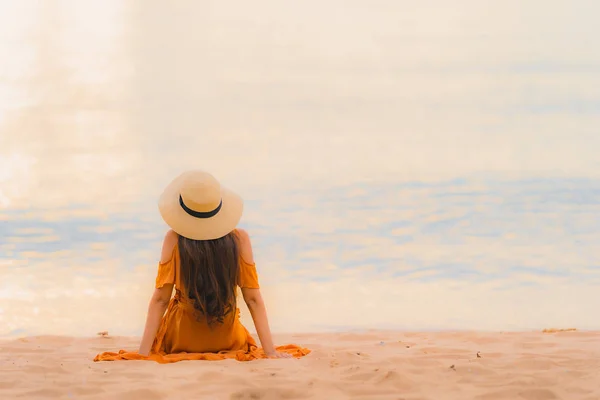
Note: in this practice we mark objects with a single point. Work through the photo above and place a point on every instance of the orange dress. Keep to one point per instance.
(182, 337)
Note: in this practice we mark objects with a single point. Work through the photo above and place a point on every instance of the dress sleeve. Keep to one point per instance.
(248, 278)
(166, 271)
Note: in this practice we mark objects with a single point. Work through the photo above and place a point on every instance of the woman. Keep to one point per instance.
(204, 258)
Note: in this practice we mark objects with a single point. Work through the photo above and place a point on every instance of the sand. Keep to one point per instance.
(366, 365)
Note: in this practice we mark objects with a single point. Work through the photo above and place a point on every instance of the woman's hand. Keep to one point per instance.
(278, 354)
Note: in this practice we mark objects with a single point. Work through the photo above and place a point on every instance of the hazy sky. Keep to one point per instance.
(265, 91)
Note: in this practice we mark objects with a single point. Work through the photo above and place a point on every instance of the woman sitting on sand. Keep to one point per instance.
(204, 257)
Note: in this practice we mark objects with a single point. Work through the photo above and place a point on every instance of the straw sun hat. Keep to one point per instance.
(197, 207)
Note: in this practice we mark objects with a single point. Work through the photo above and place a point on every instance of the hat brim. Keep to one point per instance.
(221, 224)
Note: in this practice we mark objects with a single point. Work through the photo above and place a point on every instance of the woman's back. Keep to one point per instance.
(188, 329)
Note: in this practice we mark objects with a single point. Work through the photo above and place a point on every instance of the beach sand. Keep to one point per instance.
(365, 365)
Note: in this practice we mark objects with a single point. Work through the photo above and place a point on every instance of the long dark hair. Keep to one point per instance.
(209, 271)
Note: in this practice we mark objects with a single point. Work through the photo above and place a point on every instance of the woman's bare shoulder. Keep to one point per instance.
(245, 246)
(169, 243)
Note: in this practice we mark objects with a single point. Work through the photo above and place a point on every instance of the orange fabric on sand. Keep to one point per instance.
(182, 337)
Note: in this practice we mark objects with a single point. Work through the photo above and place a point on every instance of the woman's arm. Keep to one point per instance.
(258, 310)
(256, 304)
(160, 298)
(156, 310)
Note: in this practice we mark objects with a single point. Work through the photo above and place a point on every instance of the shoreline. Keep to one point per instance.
(546, 331)
(332, 332)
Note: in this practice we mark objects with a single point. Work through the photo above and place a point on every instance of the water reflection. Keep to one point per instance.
(403, 166)
(373, 254)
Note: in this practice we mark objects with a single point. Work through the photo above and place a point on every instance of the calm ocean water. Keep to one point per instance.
(404, 166)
